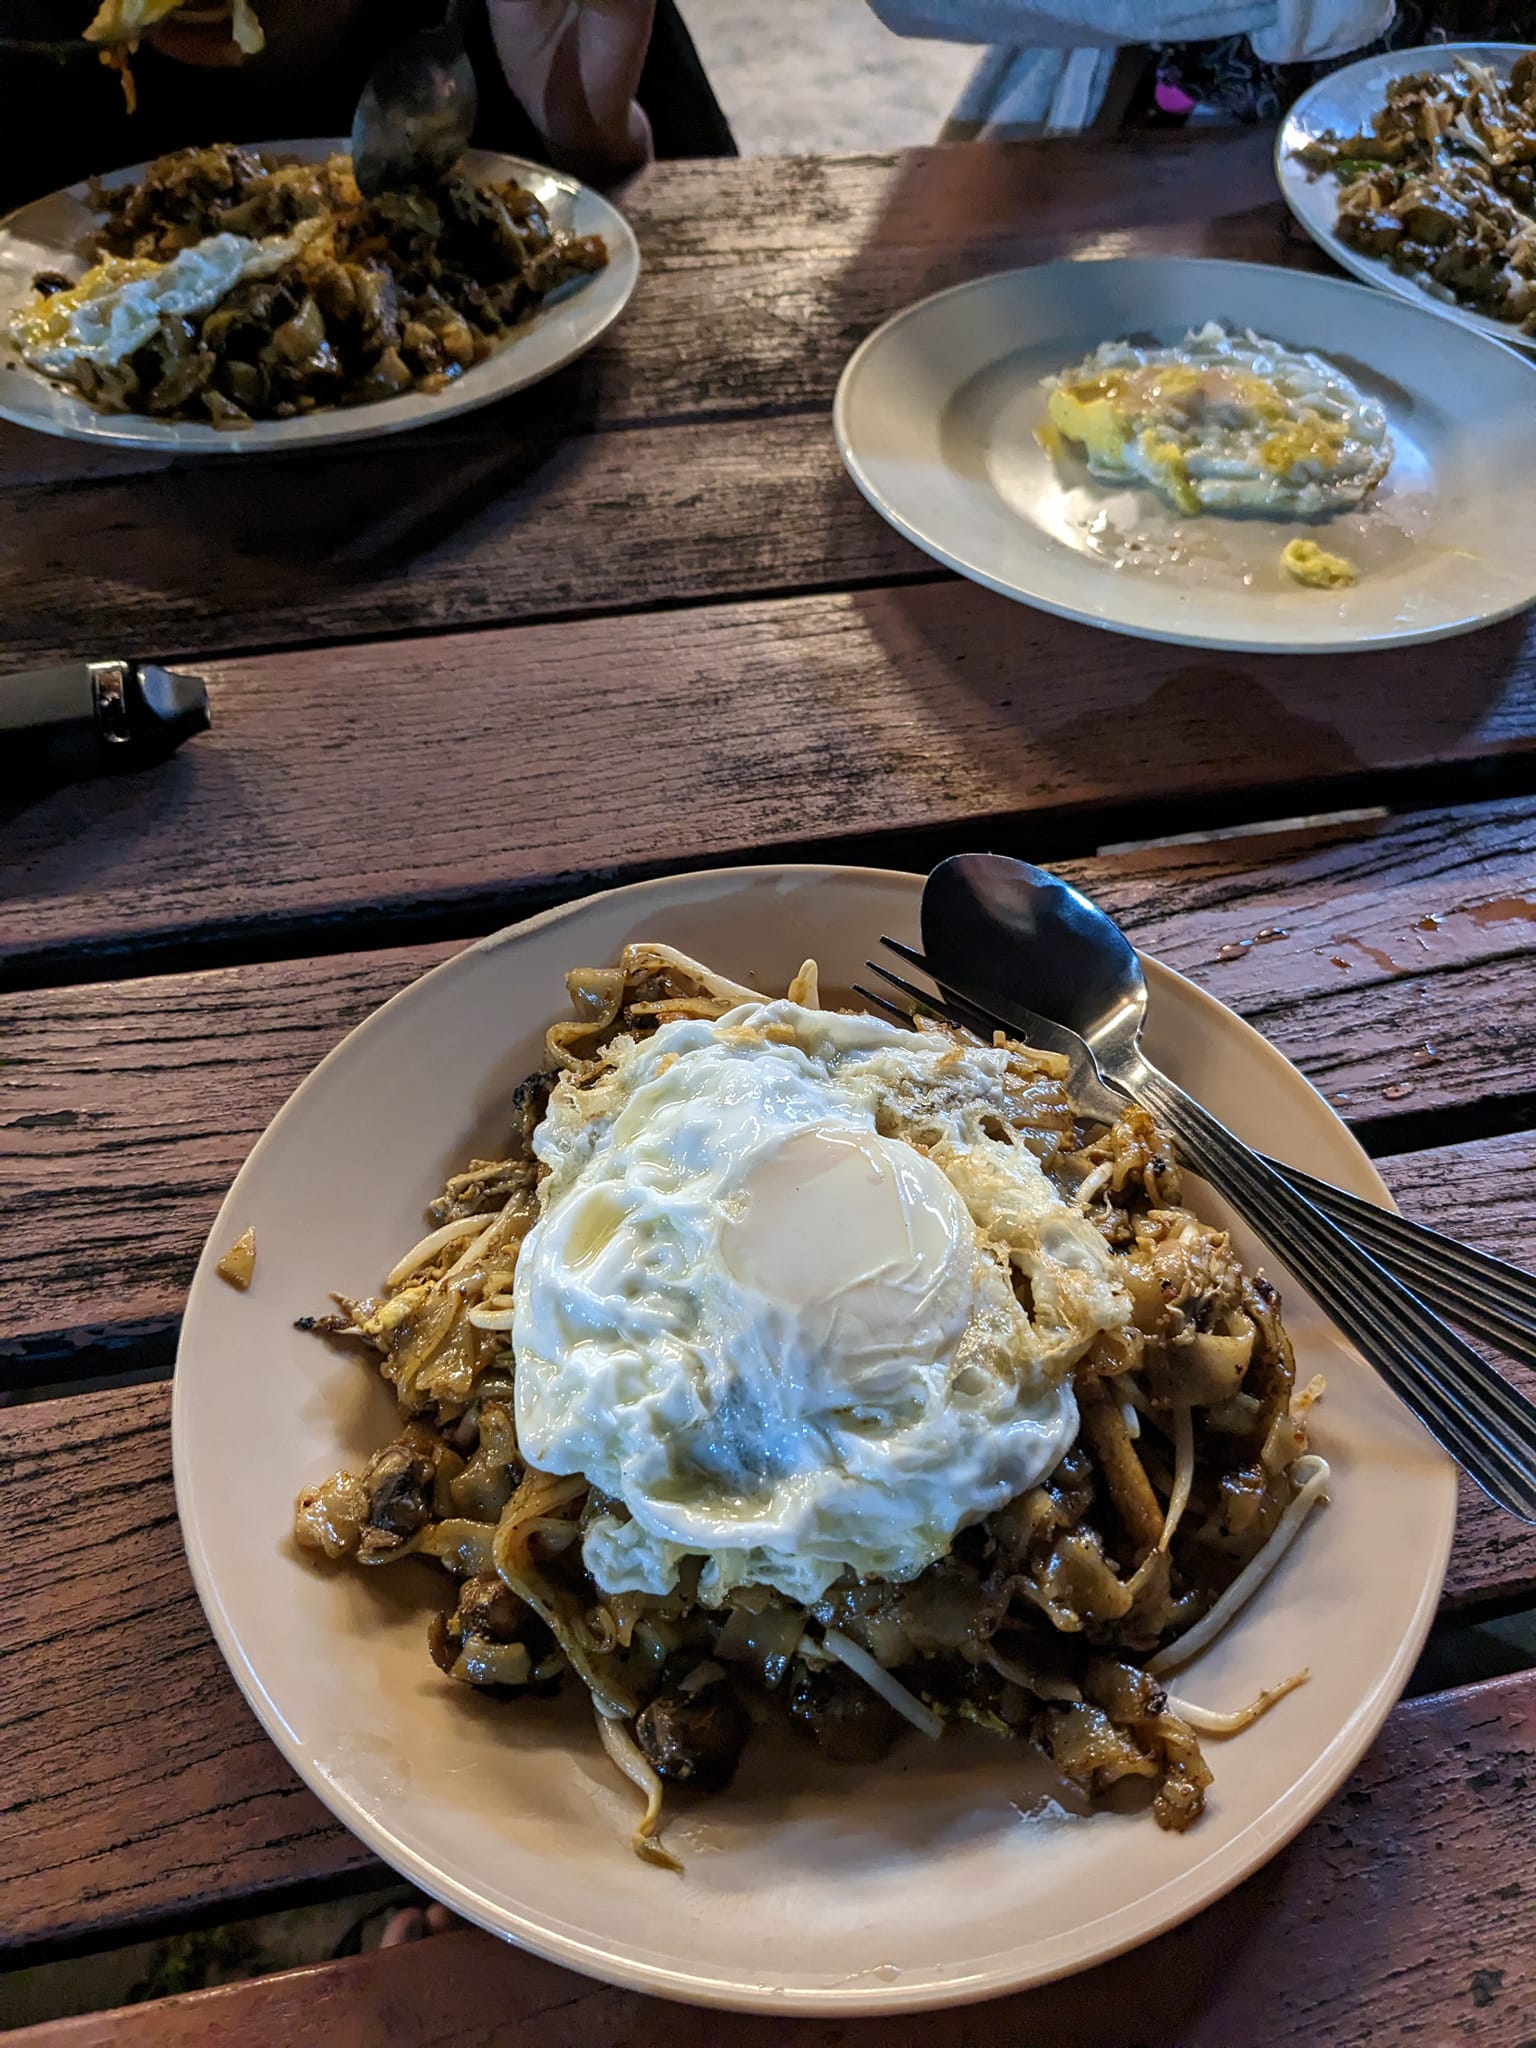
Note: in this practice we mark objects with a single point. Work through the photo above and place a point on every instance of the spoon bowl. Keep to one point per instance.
(998, 932)
(417, 112)
(1014, 933)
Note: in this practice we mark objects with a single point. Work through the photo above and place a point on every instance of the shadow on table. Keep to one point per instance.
(1030, 712)
(64, 841)
(966, 210)
(341, 540)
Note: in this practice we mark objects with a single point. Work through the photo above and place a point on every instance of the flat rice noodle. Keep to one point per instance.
(597, 995)
(764, 1642)
(613, 1689)
(485, 1485)
(421, 1336)
(465, 1547)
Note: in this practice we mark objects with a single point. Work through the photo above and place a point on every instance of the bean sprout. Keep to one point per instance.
(1253, 1573)
(1207, 1722)
(879, 1680)
(624, 1752)
(429, 1246)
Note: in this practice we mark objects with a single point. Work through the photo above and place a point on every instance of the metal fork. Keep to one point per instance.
(1483, 1421)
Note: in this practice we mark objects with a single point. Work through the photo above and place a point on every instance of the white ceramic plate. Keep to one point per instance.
(945, 1875)
(1346, 102)
(936, 416)
(52, 234)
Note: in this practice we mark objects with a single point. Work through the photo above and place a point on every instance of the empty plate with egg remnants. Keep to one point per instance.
(1219, 454)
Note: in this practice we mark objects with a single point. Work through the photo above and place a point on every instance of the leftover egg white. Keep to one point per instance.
(119, 303)
(1223, 423)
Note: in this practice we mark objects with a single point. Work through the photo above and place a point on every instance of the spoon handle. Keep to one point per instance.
(1486, 1424)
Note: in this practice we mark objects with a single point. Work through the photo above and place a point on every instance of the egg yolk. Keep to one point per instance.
(1311, 439)
(50, 320)
(850, 1235)
(1315, 567)
(1150, 404)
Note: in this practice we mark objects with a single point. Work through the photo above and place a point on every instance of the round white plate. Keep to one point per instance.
(1346, 102)
(936, 416)
(53, 234)
(946, 1874)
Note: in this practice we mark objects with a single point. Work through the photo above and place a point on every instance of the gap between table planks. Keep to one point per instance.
(712, 734)
(1408, 1898)
(1378, 957)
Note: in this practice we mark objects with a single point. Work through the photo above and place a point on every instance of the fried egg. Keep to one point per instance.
(1224, 423)
(118, 305)
(798, 1301)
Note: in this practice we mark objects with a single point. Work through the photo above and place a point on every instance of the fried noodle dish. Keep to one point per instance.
(232, 286)
(1443, 186)
(792, 1365)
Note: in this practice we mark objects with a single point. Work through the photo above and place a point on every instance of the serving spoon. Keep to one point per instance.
(417, 111)
(1016, 940)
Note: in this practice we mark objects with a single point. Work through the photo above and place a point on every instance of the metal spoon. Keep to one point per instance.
(1007, 933)
(417, 111)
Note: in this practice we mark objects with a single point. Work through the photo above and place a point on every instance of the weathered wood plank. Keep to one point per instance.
(151, 1791)
(160, 1087)
(1394, 969)
(943, 198)
(762, 278)
(528, 523)
(172, 1800)
(471, 771)
(1408, 1900)
(1390, 959)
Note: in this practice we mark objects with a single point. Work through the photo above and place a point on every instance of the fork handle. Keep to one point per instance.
(1486, 1424)
(1483, 1294)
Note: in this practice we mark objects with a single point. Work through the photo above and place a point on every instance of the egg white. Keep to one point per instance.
(120, 302)
(1224, 423)
(769, 1306)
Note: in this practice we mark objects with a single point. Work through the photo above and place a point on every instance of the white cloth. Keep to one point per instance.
(1051, 59)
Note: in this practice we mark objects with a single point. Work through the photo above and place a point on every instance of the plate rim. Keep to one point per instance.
(1216, 642)
(1293, 180)
(1244, 1854)
(339, 429)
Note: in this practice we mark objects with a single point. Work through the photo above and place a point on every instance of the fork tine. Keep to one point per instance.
(902, 952)
(881, 1002)
(952, 1011)
(956, 998)
(907, 988)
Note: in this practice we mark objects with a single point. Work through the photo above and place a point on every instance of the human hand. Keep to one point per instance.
(575, 67)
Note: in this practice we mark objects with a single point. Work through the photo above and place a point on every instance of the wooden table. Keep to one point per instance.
(632, 621)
